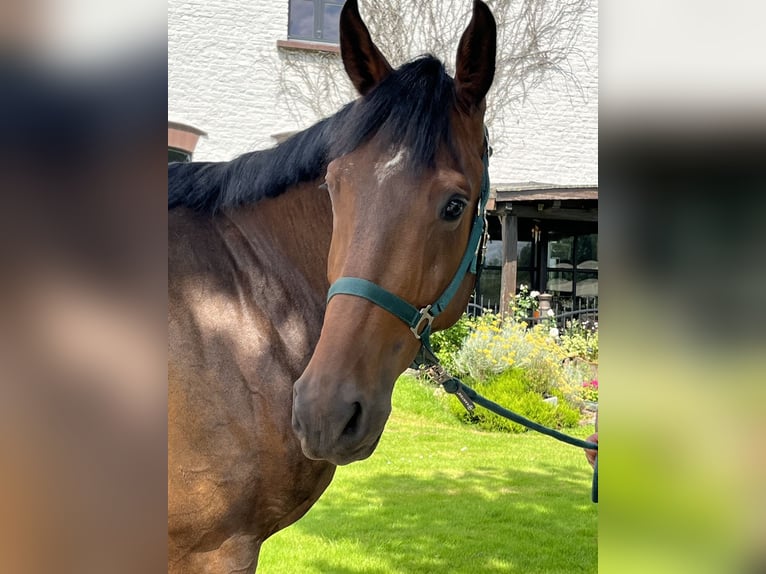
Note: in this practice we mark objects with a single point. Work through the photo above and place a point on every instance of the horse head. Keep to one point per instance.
(405, 186)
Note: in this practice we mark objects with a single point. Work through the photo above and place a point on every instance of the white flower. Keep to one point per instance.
(554, 333)
(534, 294)
(522, 287)
(551, 313)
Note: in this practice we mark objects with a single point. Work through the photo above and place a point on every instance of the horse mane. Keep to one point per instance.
(410, 108)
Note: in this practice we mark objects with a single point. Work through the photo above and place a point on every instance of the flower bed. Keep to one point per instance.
(518, 365)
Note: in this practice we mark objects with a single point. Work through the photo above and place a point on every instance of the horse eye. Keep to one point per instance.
(453, 209)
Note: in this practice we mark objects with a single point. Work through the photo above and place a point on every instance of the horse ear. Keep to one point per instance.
(475, 67)
(364, 63)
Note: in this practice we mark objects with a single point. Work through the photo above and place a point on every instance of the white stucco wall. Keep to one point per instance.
(553, 136)
(217, 53)
(222, 76)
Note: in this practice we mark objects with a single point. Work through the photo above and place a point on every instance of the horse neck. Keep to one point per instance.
(297, 223)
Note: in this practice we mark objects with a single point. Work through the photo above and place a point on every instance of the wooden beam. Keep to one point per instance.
(531, 211)
(505, 195)
(510, 235)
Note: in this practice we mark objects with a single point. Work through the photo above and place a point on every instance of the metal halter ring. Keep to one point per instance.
(425, 316)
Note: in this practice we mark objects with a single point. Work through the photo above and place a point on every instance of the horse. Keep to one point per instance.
(271, 386)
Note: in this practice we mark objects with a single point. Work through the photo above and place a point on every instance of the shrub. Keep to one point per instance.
(494, 347)
(447, 343)
(541, 360)
(580, 339)
(577, 372)
(589, 391)
(514, 391)
(524, 303)
(486, 351)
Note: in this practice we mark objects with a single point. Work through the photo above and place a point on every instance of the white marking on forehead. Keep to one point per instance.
(387, 169)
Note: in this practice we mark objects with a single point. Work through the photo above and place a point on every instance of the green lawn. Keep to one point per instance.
(437, 496)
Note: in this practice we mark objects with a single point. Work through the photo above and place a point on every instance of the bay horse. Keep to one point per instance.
(270, 386)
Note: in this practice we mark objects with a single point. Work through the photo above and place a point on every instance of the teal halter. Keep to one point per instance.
(419, 320)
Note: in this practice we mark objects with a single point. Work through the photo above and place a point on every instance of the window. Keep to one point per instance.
(572, 270)
(178, 155)
(182, 140)
(314, 20)
(525, 264)
(489, 287)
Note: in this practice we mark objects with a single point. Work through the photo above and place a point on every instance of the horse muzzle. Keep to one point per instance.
(334, 422)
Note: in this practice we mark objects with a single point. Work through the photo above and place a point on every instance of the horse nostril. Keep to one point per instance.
(353, 423)
(297, 426)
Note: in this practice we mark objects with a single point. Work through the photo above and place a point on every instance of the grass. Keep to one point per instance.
(437, 496)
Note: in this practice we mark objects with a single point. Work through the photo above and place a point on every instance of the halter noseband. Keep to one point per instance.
(419, 320)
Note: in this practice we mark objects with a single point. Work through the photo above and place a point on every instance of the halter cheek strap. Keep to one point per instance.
(419, 320)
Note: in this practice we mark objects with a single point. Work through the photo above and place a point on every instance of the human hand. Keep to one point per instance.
(592, 454)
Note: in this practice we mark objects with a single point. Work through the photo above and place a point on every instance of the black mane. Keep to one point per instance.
(410, 108)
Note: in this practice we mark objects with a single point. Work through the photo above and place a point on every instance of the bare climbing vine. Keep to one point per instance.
(537, 42)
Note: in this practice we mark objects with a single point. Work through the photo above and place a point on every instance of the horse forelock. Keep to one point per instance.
(410, 109)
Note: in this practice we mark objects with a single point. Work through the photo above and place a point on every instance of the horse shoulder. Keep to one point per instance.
(230, 374)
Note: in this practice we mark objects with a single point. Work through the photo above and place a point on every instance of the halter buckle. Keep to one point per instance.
(425, 316)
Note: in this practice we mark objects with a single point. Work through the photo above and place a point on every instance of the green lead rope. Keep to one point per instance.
(594, 495)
